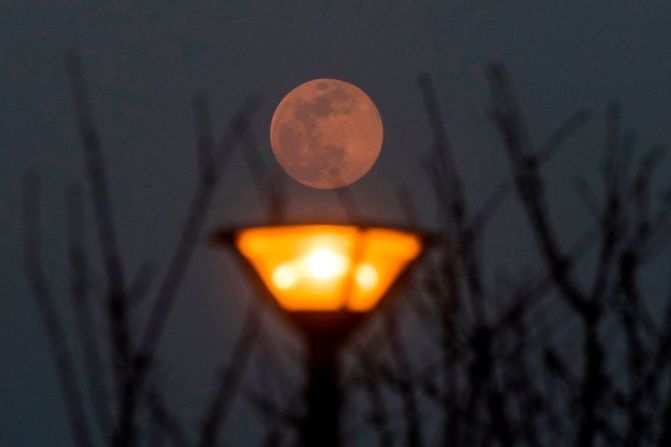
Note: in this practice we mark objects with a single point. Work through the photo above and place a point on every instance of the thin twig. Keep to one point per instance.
(84, 317)
(168, 422)
(217, 411)
(63, 359)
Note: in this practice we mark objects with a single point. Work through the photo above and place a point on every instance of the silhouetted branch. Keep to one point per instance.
(588, 197)
(117, 306)
(191, 231)
(448, 186)
(574, 123)
(32, 242)
(278, 420)
(204, 138)
(84, 317)
(222, 397)
(443, 152)
(377, 413)
(142, 282)
(404, 381)
(408, 206)
(168, 422)
(508, 118)
(270, 188)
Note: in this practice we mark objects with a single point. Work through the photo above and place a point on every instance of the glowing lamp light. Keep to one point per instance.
(327, 267)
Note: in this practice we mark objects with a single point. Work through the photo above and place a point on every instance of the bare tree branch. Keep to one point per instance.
(84, 317)
(217, 410)
(97, 178)
(574, 123)
(168, 422)
(191, 230)
(63, 360)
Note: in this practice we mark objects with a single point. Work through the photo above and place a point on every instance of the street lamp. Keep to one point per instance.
(326, 279)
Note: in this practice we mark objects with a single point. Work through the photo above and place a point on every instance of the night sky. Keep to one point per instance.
(144, 62)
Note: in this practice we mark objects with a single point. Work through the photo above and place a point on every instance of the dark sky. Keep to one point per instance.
(144, 62)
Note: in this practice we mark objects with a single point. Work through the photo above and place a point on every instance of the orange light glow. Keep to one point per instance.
(328, 267)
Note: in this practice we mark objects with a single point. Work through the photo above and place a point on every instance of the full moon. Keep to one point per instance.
(326, 133)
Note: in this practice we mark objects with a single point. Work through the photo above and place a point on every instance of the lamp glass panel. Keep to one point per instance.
(327, 267)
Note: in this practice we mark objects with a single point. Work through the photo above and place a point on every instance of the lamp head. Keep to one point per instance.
(330, 272)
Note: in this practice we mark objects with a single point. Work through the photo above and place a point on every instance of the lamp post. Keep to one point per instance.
(326, 279)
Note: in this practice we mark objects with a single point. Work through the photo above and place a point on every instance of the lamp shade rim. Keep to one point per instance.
(225, 235)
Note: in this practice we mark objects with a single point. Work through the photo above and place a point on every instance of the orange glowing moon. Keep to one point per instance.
(326, 133)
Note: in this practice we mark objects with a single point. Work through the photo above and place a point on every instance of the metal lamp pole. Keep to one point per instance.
(322, 394)
(325, 334)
